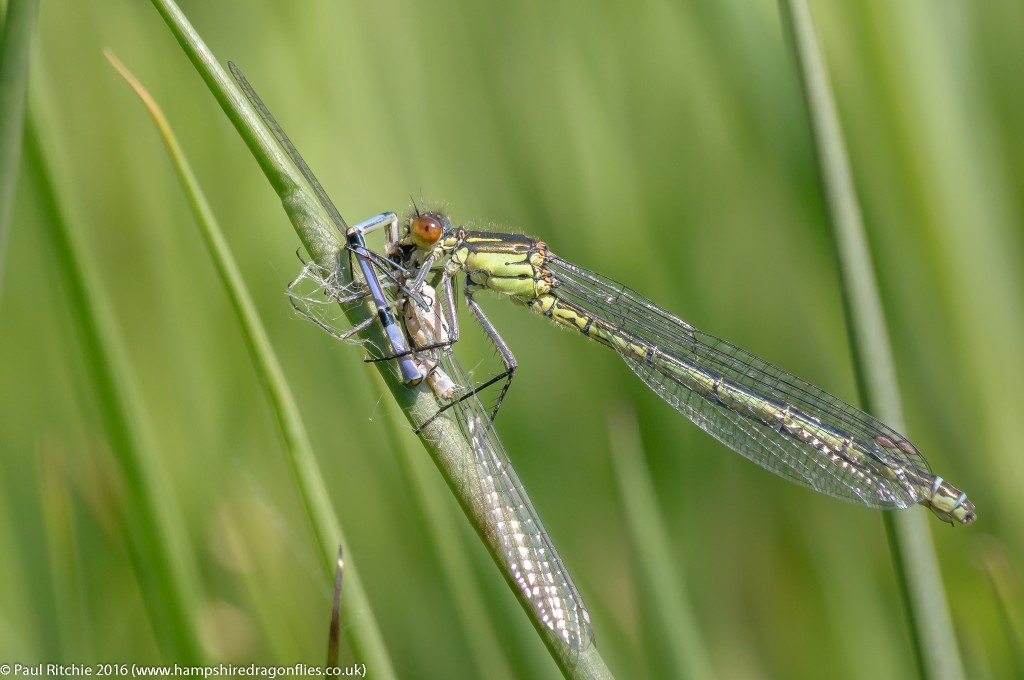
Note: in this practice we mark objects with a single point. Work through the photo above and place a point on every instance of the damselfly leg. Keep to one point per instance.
(444, 279)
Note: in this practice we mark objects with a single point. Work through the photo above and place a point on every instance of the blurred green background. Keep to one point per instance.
(661, 143)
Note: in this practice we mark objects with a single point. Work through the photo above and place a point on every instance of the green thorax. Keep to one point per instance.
(508, 264)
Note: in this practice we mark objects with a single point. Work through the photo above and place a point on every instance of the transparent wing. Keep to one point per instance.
(888, 473)
(508, 520)
(513, 526)
(286, 144)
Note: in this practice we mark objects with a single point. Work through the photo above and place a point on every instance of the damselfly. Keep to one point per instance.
(770, 416)
(502, 509)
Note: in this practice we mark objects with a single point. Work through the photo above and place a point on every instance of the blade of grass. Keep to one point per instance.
(63, 546)
(161, 557)
(451, 452)
(364, 635)
(334, 629)
(1005, 581)
(15, 51)
(908, 532)
(676, 634)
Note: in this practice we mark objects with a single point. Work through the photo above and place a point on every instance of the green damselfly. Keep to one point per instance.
(501, 509)
(768, 415)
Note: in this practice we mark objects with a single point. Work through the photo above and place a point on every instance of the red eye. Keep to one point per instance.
(426, 229)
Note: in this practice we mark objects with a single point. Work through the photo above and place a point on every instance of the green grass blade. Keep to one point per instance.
(334, 629)
(364, 635)
(450, 451)
(1008, 592)
(15, 52)
(161, 556)
(676, 634)
(63, 545)
(909, 535)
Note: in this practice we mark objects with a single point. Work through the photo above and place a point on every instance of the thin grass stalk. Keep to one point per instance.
(334, 629)
(451, 452)
(1007, 588)
(363, 633)
(909, 535)
(676, 636)
(63, 547)
(15, 51)
(162, 558)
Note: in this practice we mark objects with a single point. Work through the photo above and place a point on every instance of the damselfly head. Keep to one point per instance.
(426, 228)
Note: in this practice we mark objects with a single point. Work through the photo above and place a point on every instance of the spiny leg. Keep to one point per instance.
(412, 292)
(507, 358)
(366, 258)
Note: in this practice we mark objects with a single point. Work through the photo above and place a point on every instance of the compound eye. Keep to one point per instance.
(426, 230)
